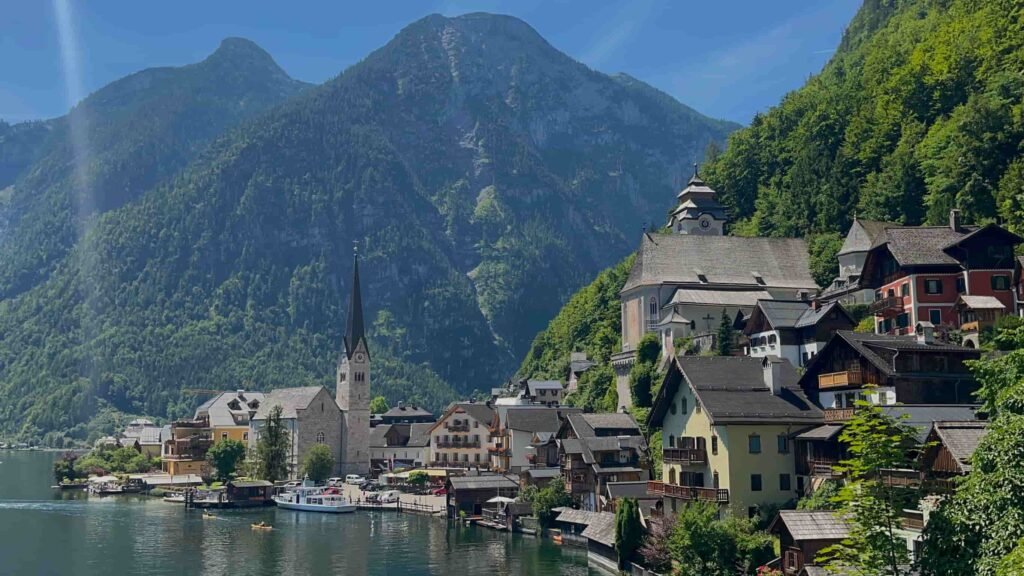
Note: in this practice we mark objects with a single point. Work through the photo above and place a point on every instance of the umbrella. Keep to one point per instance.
(502, 499)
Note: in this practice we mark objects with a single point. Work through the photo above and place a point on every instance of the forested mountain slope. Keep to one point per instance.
(125, 138)
(919, 111)
(484, 174)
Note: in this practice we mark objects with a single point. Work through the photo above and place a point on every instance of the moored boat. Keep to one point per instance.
(307, 498)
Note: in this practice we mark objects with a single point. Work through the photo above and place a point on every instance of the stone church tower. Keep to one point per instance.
(354, 387)
(698, 211)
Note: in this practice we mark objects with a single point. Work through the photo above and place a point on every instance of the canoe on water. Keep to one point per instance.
(262, 526)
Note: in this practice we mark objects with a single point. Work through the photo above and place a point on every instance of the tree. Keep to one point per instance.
(319, 464)
(823, 498)
(224, 457)
(875, 442)
(547, 499)
(64, 467)
(644, 373)
(378, 405)
(418, 478)
(629, 532)
(707, 546)
(725, 334)
(822, 250)
(655, 551)
(272, 447)
(973, 530)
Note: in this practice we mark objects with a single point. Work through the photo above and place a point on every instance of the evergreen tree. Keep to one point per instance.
(726, 333)
(272, 447)
(629, 532)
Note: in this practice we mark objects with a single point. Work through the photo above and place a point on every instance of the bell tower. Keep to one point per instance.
(698, 212)
(353, 385)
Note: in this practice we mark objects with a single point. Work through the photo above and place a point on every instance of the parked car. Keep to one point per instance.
(439, 491)
(292, 484)
(373, 497)
(335, 481)
(369, 486)
(354, 479)
(389, 496)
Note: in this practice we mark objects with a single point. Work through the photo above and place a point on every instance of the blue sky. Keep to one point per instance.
(727, 58)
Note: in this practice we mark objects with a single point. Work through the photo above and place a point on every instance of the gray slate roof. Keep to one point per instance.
(982, 302)
(587, 425)
(601, 528)
(533, 419)
(571, 516)
(863, 234)
(921, 245)
(961, 439)
(865, 345)
(484, 482)
(636, 490)
(732, 389)
(407, 412)
(810, 525)
(553, 472)
(418, 434)
(480, 412)
(719, 297)
(823, 432)
(677, 258)
(221, 412)
(290, 400)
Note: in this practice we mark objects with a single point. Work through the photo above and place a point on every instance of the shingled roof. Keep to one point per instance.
(289, 399)
(810, 525)
(533, 419)
(722, 260)
(868, 346)
(863, 234)
(732, 389)
(961, 439)
(601, 528)
(590, 425)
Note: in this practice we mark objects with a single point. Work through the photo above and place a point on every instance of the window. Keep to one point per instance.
(696, 407)
(935, 316)
(223, 435)
(755, 482)
(245, 436)
(1001, 282)
(785, 482)
(476, 424)
(754, 444)
(890, 293)
(682, 405)
(714, 445)
(715, 479)
(476, 457)
(903, 320)
(961, 285)
(800, 484)
(654, 307)
(905, 289)
(933, 286)
(672, 408)
(671, 441)
(783, 444)
(672, 476)
(319, 437)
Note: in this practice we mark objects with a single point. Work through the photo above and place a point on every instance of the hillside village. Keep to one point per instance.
(758, 376)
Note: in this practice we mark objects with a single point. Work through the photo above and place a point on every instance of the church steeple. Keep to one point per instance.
(354, 332)
(698, 211)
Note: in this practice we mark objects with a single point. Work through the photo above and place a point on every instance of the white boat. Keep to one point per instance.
(314, 499)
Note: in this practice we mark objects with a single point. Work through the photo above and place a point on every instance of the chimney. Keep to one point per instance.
(816, 304)
(925, 333)
(401, 405)
(240, 392)
(954, 220)
(772, 370)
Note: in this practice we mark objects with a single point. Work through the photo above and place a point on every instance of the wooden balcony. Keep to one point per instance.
(692, 493)
(840, 379)
(900, 478)
(686, 456)
(461, 427)
(823, 468)
(836, 415)
(886, 307)
(459, 444)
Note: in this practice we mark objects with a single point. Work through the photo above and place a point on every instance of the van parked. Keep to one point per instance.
(389, 496)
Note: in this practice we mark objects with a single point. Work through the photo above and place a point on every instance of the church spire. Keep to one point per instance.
(354, 324)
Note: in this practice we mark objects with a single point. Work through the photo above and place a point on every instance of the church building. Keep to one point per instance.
(683, 281)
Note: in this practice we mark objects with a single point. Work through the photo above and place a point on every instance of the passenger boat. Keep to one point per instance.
(309, 498)
(175, 498)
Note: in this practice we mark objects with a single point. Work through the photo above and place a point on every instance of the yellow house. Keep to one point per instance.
(229, 414)
(727, 425)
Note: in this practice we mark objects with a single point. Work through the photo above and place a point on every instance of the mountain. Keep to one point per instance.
(918, 112)
(484, 174)
(131, 135)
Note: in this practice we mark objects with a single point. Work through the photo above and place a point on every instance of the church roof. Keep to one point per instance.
(289, 399)
(721, 260)
(354, 331)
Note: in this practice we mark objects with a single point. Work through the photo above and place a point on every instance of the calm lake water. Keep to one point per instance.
(44, 531)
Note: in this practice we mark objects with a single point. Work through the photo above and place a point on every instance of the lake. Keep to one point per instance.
(45, 531)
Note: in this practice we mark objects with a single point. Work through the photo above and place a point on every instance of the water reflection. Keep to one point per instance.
(50, 532)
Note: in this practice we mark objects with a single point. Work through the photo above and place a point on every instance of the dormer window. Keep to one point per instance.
(758, 278)
(701, 276)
